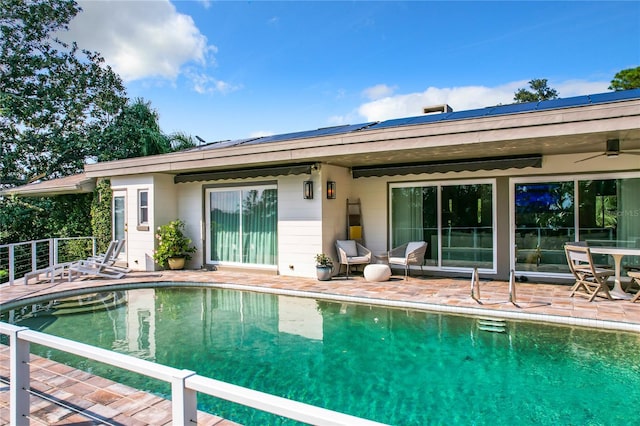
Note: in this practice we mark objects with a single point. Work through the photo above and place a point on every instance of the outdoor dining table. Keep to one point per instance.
(617, 253)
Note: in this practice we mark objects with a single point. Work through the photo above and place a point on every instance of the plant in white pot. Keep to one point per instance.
(174, 247)
(324, 267)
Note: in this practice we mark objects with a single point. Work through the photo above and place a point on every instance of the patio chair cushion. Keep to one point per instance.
(412, 246)
(349, 247)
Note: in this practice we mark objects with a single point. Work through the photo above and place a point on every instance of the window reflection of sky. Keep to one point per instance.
(542, 197)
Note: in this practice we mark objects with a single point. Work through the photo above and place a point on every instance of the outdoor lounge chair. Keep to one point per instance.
(589, 278)
(350, 253)
(101, 268)
(118, 244)
(408, 254)
(113, 259)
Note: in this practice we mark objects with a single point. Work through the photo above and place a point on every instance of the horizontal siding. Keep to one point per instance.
(299, 227)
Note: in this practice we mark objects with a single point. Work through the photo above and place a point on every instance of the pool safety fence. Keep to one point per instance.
(184, 383)
(46, 257)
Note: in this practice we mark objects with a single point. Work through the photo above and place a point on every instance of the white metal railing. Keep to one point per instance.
(184, 383)
(19, 259)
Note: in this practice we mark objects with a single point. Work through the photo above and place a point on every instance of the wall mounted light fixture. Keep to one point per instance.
(307, 190)
(331, 190)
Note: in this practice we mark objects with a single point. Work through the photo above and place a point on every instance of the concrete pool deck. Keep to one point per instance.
(534, 302)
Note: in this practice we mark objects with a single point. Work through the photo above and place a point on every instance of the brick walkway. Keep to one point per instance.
(112, 403)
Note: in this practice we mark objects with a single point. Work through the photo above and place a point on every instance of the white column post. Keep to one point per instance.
(19, 378)
(12, 264)
(183, 401)
(34, 256)
(53, 260)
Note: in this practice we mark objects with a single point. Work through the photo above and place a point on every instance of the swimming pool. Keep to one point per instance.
(394, 366)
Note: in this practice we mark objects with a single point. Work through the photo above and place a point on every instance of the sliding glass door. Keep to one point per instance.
(242, 225)
(456, 220)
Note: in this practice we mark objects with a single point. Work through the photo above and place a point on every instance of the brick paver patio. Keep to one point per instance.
(105, 402)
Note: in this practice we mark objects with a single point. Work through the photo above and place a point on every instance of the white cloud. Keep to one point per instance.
(140, 39)
(378, 91)
(580, 87)
(463, 98)
(206, 84)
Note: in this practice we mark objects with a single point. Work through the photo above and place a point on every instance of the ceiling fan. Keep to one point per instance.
(612, 150)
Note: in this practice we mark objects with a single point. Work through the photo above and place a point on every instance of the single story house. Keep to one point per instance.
(499, 188)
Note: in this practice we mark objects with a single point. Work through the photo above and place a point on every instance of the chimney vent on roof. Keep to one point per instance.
(437, 108)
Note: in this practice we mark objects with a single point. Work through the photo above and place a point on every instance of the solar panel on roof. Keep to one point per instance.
(471, 113)
(563, 102)
(220, 144)
(347, 128)
(513, 108)
(614, 96)
(433, 118)
(510, 109)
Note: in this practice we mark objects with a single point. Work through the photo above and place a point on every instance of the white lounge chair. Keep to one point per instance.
(408, 254)
(350, 253)
(119, 244)
(101, 268)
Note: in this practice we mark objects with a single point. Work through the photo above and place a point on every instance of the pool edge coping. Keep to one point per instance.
(420, 306)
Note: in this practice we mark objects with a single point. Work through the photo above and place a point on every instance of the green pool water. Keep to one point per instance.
(394, 366)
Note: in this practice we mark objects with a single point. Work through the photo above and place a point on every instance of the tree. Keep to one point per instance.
(60, 106)
(135, 132)
(180, 141)
(55, 97)
(541, 92)
(626, 80)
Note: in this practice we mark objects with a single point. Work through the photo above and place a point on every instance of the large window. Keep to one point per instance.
(549, 214)
(242, 225)
(456, 221)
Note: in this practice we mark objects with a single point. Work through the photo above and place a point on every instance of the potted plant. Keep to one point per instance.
(324, 267)
(174, 247)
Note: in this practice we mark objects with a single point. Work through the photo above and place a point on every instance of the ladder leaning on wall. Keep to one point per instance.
(354, 221)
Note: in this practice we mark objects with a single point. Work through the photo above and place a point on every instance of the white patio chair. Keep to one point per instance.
(350, 253)
(408, 254)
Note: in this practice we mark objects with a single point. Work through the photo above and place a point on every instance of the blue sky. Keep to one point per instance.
(234, 69)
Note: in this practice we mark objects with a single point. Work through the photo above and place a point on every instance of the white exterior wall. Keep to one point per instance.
(189, 204)
(308, 227)
(162, 209)
(334, 212)
(299, 225)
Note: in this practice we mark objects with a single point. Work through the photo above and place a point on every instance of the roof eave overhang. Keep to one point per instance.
(79, 184)
(462, 134)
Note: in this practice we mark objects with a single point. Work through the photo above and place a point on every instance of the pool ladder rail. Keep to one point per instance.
(475, 286)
